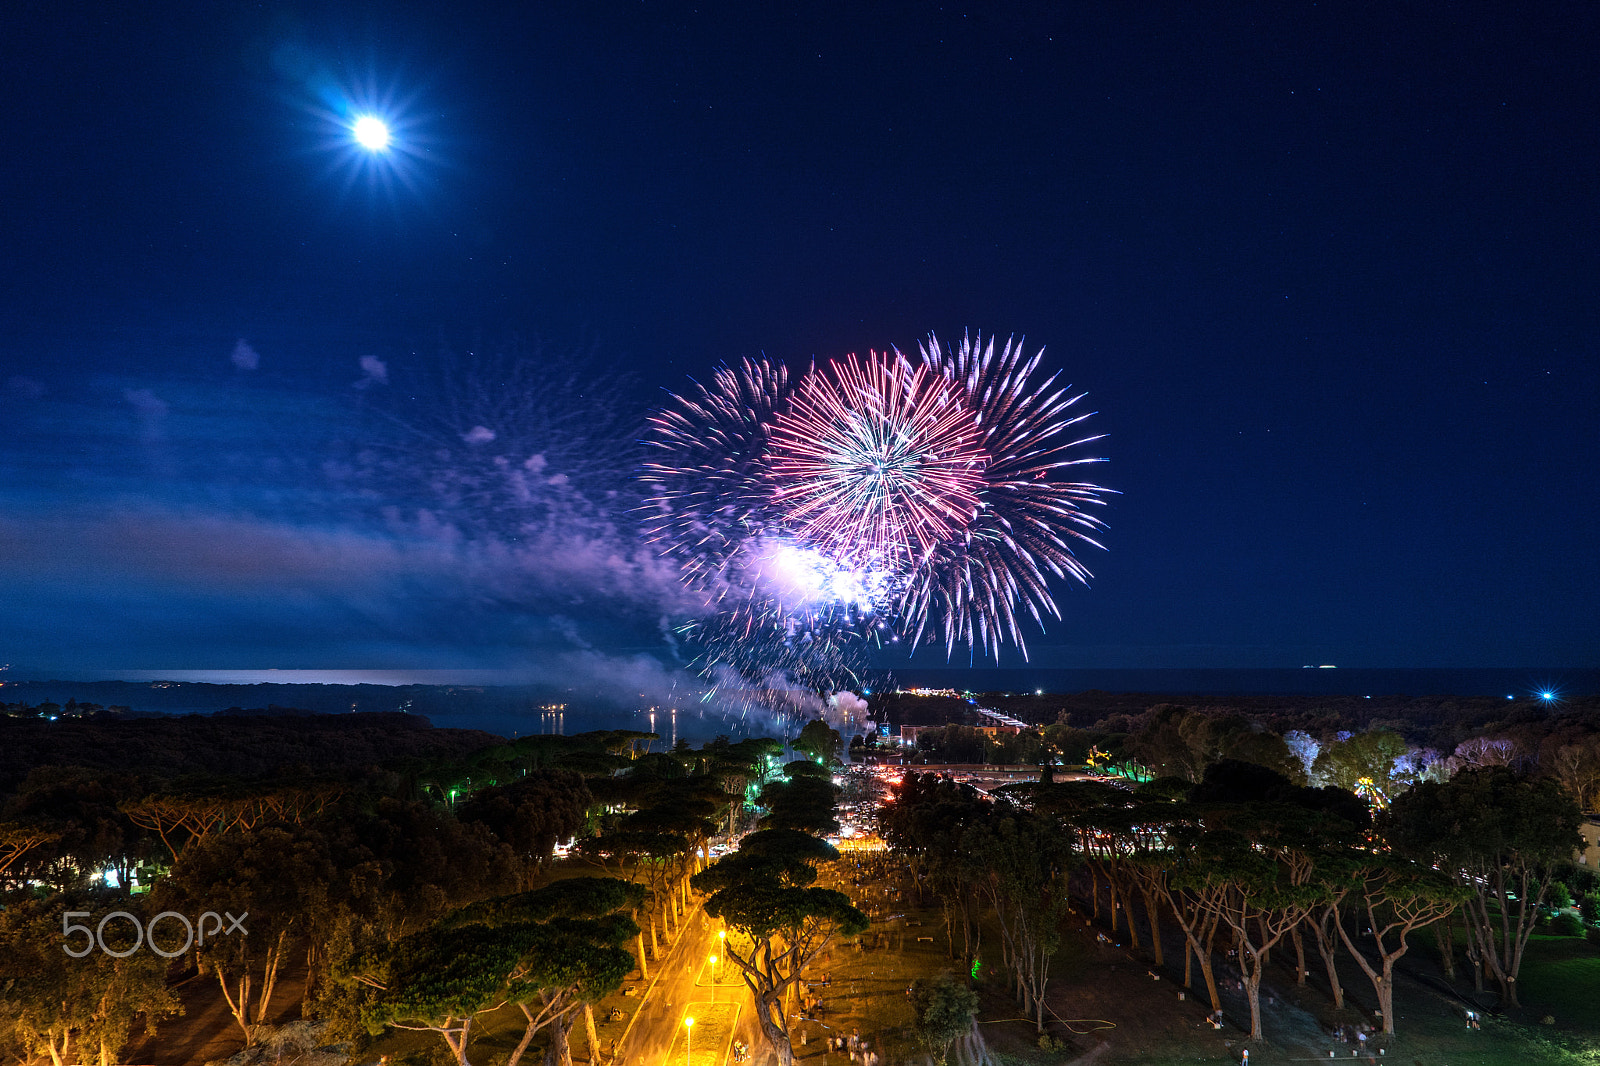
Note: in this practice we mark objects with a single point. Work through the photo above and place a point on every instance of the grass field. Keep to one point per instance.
(1561, 978)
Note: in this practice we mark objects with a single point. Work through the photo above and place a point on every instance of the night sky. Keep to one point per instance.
(1327, 273)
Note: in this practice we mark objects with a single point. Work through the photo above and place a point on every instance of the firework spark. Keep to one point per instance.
(708, 485)
(1031, 514)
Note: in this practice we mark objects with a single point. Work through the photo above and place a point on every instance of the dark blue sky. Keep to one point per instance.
(1327, 271)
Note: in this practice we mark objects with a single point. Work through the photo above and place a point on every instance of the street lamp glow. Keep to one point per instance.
(371, 133)
(688, 1042)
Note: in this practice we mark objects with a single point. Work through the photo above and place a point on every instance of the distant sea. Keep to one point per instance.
(1519, 682)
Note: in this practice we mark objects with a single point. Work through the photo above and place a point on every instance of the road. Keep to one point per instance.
(684, 984)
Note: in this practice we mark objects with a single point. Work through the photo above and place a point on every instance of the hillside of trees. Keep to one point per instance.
(239, 746)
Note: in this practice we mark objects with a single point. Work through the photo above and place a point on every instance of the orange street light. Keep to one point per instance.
(688, 1042)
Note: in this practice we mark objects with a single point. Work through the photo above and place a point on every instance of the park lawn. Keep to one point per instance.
(868, 989)
(706, 1042)
(867, 993)
(1561, 977)
(721, 974)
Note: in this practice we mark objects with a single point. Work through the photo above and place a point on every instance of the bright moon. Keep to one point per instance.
(371, 133)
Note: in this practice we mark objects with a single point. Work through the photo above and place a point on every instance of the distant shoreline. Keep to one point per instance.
(1516, 682)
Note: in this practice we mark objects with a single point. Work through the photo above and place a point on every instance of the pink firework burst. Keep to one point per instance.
(876, 461)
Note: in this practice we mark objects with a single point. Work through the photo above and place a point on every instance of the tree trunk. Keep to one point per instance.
(559, 1053)
(1328, 949)
(312, 969)
(522, 1045)
(971, 932)
(1443, 932)
(769, 1015)
(1382, 979)
(1199, 936)
(1252, 970)
(458, 1043)
(589, 1031)
(1039, 979)
(1474, 959)
(238, 1004)
(644, 970)
(269, 979)
(1208, 970)
(1150, 911)
(1299, 956)
(1252, 992)
(1126, 902)
(1385, 988)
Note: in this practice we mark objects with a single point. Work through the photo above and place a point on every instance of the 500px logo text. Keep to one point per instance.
(96, 937)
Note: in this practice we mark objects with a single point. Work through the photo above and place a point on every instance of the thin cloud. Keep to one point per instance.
(374, 371)
(245, 357)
